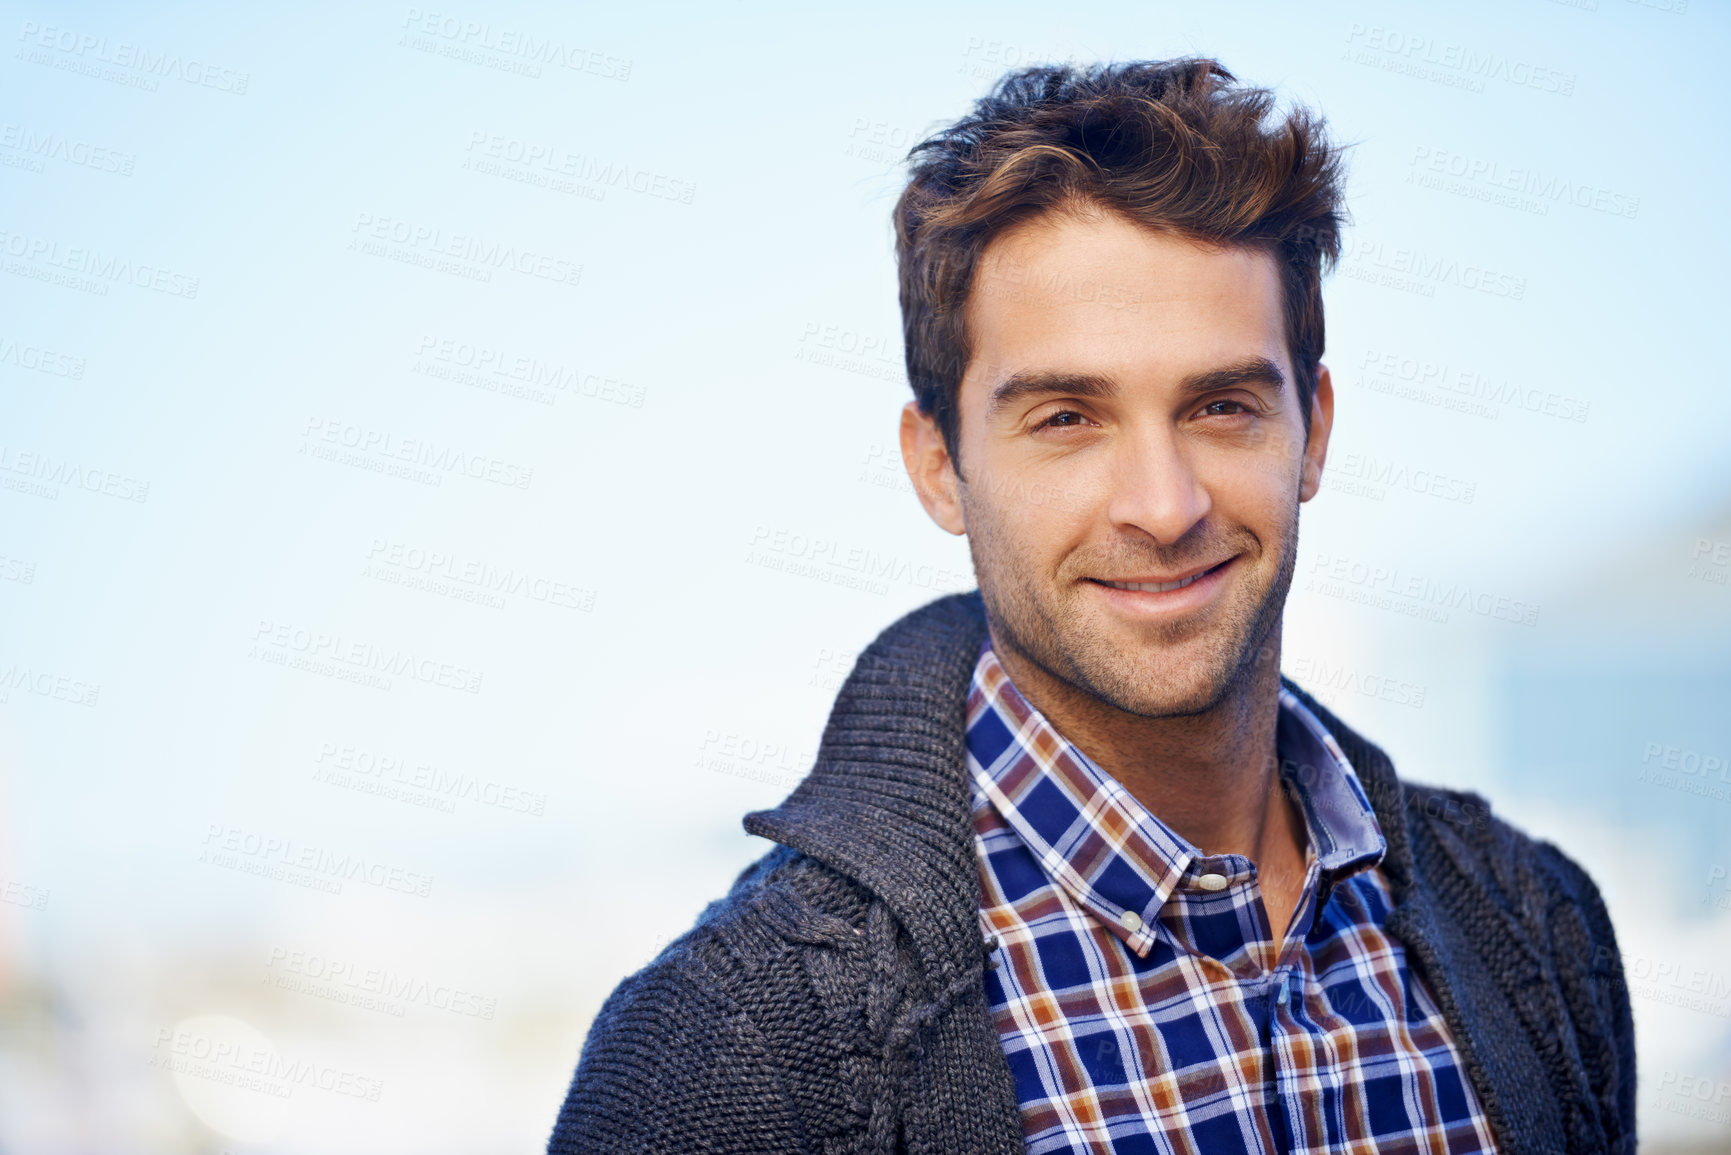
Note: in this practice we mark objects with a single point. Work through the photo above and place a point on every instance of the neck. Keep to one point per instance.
(1211, 776)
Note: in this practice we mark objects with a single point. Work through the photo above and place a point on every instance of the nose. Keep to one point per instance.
(1155, 487)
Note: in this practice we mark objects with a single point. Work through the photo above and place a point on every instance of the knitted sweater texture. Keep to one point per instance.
(833, 1001)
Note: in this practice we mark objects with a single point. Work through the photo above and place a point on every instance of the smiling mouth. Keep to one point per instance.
(1160, 587)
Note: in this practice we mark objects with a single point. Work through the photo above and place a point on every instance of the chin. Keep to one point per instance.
(1166, 696)
(1184, 669)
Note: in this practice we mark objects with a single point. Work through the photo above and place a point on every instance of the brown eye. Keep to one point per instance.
(1055, 419)
(1213, 408)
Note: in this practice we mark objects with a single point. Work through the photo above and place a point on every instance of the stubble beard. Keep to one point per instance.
(1047, 626)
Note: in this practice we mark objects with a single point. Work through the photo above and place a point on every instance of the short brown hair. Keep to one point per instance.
(1176, 145)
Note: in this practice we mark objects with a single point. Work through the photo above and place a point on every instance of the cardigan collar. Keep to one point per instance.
(887, 801)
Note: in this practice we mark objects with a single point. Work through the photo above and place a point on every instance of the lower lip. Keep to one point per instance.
(1146, 603)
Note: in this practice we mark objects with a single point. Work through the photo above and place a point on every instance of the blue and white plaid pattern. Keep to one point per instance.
(1143, 1012)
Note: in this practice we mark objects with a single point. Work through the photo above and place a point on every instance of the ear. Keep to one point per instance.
(930, 469)
(1316, 445)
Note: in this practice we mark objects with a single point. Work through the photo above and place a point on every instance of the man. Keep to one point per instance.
(1076, 868)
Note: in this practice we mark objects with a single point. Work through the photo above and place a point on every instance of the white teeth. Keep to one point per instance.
(1155, 587)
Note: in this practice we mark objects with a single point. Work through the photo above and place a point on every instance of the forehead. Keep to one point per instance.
(1103, 294)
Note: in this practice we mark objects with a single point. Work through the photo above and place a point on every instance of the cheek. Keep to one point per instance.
(1271, 458)
(1276, 453)
(1255, 490)
(1032, 522)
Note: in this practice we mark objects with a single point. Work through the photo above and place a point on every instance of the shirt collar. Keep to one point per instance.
(1094, 839)
(1343, 828)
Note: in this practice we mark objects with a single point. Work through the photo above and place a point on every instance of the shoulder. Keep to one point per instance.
(1486, 872)
(777, 907)
(694, 1045)
(1457, 837)
(783, 902)
(1539, 884)
(1533, 878)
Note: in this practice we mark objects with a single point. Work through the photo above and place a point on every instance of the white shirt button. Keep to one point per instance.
(1130, 921)
(1211, 881)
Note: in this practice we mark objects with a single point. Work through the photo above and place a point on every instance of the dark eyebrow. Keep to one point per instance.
(1043, 382)
(1250, 371)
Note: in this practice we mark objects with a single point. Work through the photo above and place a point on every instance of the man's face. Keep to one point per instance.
(1129, 416)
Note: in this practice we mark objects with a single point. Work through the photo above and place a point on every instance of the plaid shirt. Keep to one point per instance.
(1139, 994)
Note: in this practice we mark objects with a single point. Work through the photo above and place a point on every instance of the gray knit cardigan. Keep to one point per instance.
(833, 1001)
